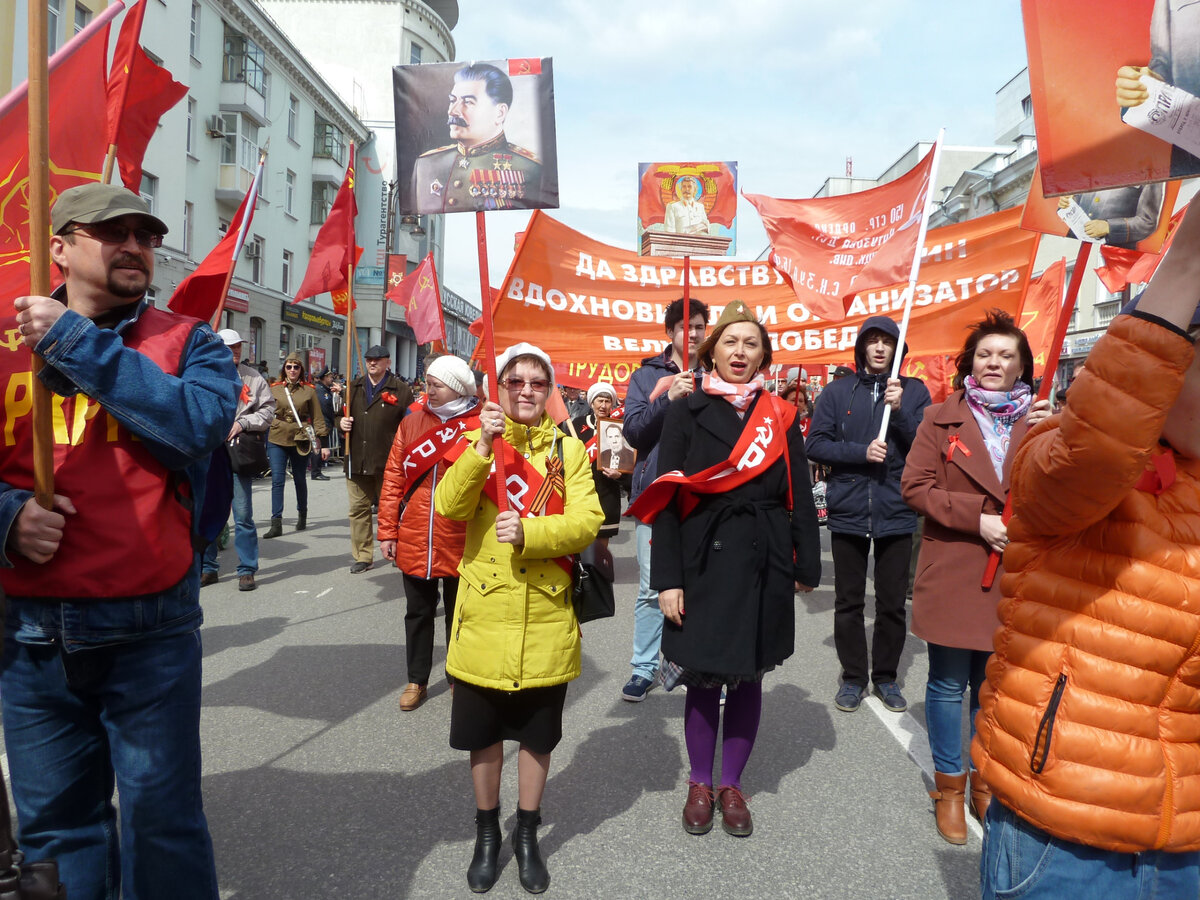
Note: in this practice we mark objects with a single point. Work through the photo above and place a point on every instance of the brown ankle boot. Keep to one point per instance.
(981, 796)
(948, 806)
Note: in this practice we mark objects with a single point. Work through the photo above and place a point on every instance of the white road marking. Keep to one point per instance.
(915, 740)
(323, 593)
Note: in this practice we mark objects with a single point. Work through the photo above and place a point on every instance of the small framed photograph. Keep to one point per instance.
(615, 453)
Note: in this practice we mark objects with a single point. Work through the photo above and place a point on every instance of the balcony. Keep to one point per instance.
(240, 97)
(232, 183)
(327, 169)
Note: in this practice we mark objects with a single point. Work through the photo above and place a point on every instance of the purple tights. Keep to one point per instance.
(701, 710)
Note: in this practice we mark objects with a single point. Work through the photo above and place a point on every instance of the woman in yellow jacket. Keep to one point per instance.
(514, 643)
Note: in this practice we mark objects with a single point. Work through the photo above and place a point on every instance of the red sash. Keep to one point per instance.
(442, 442)
(524, 483)
(763, 441)
(592, 448)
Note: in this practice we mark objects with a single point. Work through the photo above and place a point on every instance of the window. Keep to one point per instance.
(229, 126)
(83, 17)
(328, 141)
(254, 250)
(149, 191)
(53, 24)
(1106, 312)
(258, 328)
(323, 194)
(189, 215)
(289, 192)
(287, 271)
(1027, 107)
(293, 117)
(191, 126)
(194, 33)
(285, 340)
(245, 62)
(414, 54)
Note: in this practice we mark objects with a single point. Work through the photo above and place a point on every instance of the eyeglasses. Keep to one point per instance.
(538, 385)
(293, 366)
(116, 233)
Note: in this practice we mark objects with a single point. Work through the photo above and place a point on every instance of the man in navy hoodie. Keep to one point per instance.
(660, 380)
(865, 507)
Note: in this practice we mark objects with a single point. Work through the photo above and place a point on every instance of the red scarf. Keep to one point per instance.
(763, 441)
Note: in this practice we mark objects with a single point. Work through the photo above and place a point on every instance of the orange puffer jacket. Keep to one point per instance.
(1090, 725)
(428, 545)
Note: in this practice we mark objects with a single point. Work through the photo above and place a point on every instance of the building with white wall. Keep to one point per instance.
(354, 44)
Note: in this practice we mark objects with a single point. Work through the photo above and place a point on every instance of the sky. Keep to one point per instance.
(786, 88)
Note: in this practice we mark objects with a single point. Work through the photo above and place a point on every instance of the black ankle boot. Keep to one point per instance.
(534, 876)
(481, 874)
(301, 521)
(276, 528)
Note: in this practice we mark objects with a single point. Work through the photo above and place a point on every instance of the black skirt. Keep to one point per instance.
(481, 717)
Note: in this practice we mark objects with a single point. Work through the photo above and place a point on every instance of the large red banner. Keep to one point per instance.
(833, 247)
(598, 310)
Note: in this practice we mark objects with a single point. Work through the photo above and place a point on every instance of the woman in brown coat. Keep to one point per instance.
(293, 391)
(957, 478)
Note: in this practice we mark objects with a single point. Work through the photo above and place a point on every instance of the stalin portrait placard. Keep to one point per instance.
(475, 136)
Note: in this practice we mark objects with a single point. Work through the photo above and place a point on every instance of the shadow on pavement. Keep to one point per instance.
(216, 638)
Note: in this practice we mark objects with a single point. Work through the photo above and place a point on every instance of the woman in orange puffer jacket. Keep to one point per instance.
(425, 546)
(1089, 733)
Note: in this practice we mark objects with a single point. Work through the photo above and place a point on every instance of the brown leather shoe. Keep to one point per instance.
(981, 796)
(698, 811)
(735, 814)
(414, 695)
(246, 583)
(207, 578)
(948, 807)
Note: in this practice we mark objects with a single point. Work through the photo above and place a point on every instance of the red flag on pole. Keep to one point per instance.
(201, 292)
(331, 253)
(831, 248)
(422, 301)
(1040, 310)
(341, 296)
(76, 140)
(1123, 267)
(139, 92)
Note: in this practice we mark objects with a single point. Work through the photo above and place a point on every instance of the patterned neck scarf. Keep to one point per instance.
(996, 412)
(740, 395)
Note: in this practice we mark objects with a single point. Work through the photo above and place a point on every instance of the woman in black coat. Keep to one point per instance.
(726, 571)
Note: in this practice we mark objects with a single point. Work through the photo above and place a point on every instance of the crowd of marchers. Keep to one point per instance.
(1078, 672)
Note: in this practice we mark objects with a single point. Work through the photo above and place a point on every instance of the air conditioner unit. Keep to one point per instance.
(252, 250)
(216, 127)
(307, 341)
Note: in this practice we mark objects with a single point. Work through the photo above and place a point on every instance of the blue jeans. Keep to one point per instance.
(1021, 860)
(245, 537)
(100, 694)
(952, 670)
(647, 617)
(279, 457)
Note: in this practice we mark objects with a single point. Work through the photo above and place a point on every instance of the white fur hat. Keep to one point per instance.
(454, 374)
(601, 387)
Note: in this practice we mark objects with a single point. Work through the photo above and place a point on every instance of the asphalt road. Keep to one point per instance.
(317, 785)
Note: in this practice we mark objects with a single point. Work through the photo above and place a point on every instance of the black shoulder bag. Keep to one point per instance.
(592, 578)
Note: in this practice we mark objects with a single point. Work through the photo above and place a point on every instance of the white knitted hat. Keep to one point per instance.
(601, 387)
(454, 374)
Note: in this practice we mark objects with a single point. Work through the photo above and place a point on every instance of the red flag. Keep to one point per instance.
(139, 92)
(422, 301)
(1124, 267)
(1040, 310)
(199, 294)
(397, 265)
(331, 253)
(76, 90)
(833, 247)
(341, 297)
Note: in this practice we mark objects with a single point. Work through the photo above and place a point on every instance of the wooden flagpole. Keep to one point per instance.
(489, 353)
(914, 273)
(39, 242)
(1060, 334)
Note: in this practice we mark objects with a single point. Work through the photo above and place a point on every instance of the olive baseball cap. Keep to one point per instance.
(94, 202)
